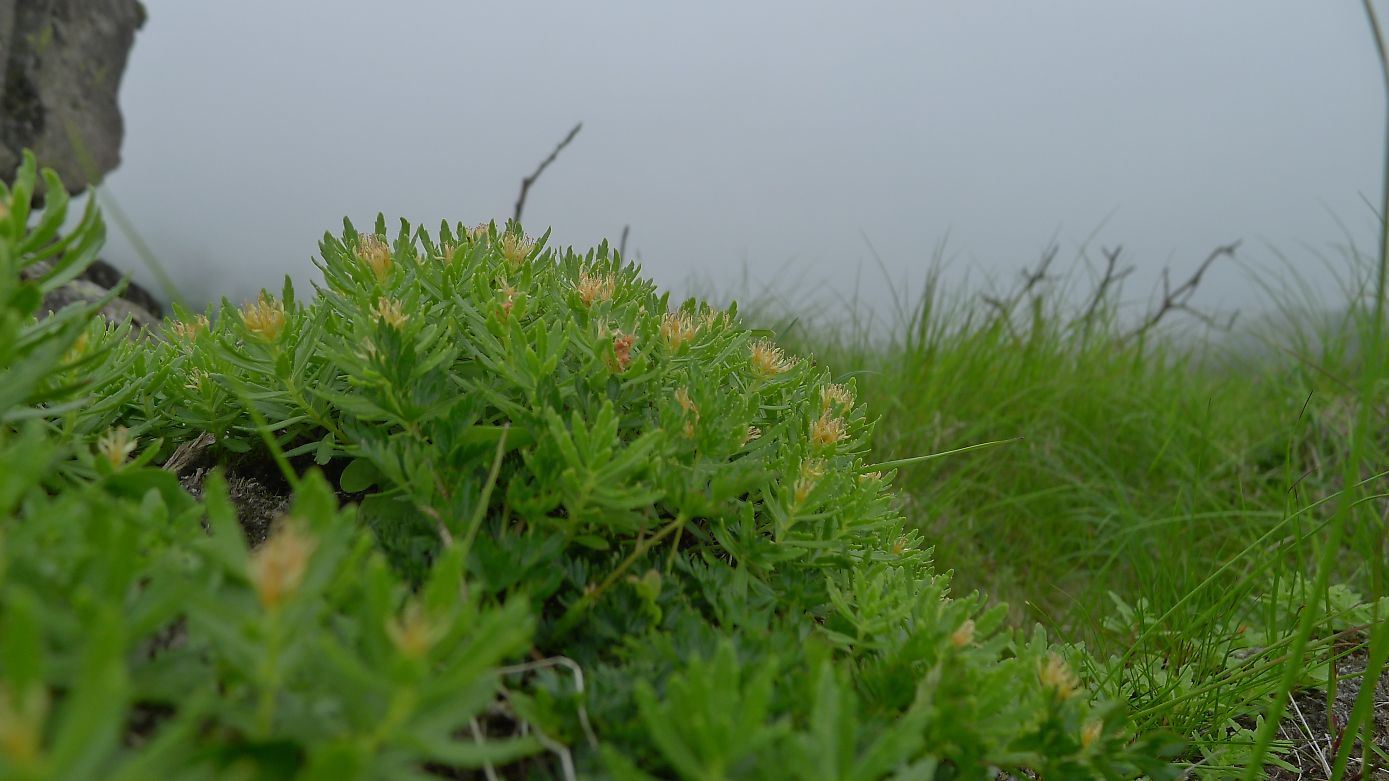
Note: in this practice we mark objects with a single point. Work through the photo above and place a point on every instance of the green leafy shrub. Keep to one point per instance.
(585, 533)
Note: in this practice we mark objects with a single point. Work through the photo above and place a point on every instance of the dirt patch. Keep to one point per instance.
(1316, 735)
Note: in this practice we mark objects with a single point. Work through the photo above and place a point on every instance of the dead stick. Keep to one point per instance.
(530, 180)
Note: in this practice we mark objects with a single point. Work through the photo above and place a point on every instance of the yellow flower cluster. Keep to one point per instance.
(1090, 733)
(372, 251)
(768, 359)
(21, 723)
(264, 318)
(116, 445)
(389, 311)
(677, 328)
(1056, 676)
(827, 430)
(196, 379)
(964, 635)
(591, 288)
(682, 397)
(277, 568)
(508, 300)
(190, 331)
(413, 633)
(812, 469)
(78, 349)
(836, 397)
(515, 249)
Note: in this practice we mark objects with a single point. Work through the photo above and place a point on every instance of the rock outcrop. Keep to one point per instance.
(62, 64)
(94, 283)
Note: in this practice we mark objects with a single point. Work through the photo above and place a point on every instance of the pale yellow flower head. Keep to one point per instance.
(21, 723)
(264, 317)
(78, 348)
(389, 311)
(964, 635)
(116, 445)
(508, 300)
(591, 288)
(682, 397)
(515, 249)
(768, 359)
(413, 632)
(677, 328)
(372, 251)
(836, 397)
(812, 469)
(192, 329)
(1056, 676)
(196, 379)
(826, 430)
(277, 568)
(715, 319)
(1090, 733)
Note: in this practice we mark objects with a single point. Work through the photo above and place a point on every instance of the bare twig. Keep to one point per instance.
(573, 667)
(481, 740)
(530, 180)
(1110, 281)
(1032, 278)
(1178, 298)
(1003, 313)
(188, 453)
(622, 244)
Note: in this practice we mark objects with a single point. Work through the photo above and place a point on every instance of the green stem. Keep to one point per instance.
(485, 498)
(269, 678)
(575, 612)
(325, 423)
(268, 437)
(1368, 376)
(917, 459)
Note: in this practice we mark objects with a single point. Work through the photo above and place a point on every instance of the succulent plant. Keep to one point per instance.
(567, 528)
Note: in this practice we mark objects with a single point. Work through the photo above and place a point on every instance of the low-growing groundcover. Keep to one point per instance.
(591, 535)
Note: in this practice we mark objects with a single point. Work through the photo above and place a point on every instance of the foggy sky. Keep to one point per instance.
(769, 137)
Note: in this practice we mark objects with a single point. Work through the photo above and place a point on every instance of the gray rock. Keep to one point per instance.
(62, 64)
(107, 276)
(84, 290)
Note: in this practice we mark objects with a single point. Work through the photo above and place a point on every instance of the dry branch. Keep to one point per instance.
(1178, 298)
(540, 169)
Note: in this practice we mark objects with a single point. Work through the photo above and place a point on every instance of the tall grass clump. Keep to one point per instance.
(1166, 500)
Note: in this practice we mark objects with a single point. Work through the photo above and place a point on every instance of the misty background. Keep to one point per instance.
(760, 147)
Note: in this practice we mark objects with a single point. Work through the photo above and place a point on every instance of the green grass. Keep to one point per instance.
(1167, 498)
(1163, 501)
(1197, 523)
